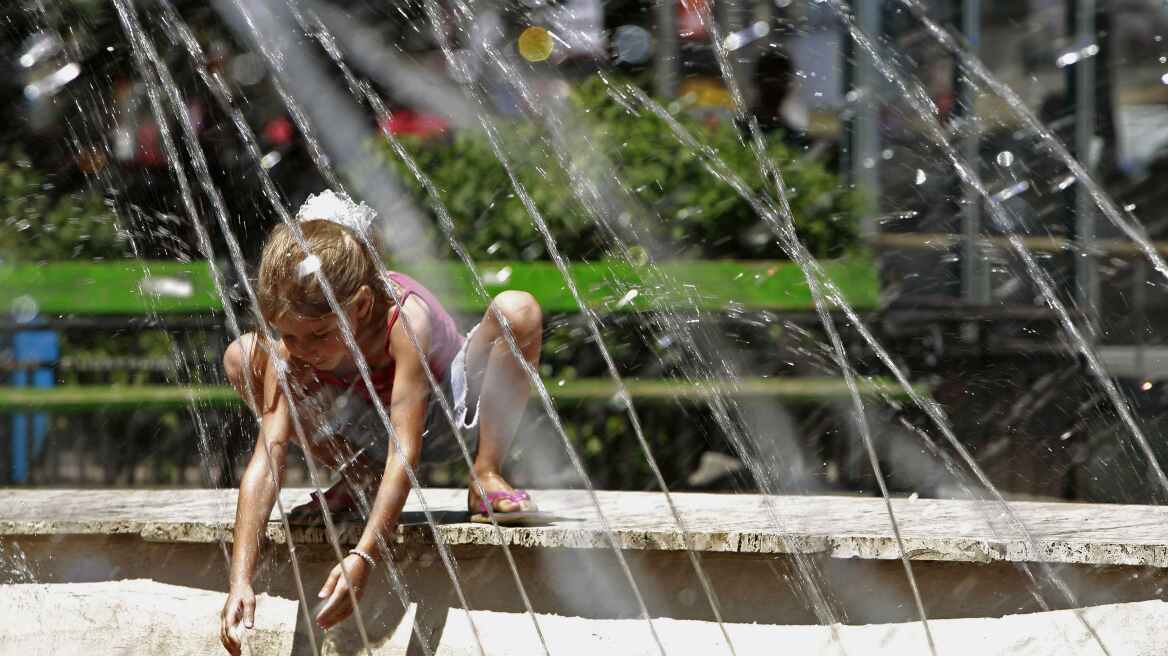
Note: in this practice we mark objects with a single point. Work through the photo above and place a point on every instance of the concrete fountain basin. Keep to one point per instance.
(971, 564)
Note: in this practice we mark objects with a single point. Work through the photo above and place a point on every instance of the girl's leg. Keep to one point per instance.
(493, 372)
(241, 359)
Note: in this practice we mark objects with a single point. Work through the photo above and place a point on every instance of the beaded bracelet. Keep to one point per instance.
(364, 556)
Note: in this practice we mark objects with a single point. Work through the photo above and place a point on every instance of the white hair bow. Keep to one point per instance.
(338, 208)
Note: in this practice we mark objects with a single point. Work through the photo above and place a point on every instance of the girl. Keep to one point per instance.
(479, 374)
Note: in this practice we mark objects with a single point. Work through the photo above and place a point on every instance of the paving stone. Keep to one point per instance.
(1134, 629)
(132, 617)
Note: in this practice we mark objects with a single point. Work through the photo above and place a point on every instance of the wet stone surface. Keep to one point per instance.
(839, 527)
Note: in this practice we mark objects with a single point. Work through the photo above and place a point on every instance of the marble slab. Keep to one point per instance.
(838, 526)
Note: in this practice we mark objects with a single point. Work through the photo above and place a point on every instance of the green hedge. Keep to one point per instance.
(699, 217)
(38, 224)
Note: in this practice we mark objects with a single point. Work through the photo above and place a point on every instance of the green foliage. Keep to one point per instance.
(699, 216)
(38, 225)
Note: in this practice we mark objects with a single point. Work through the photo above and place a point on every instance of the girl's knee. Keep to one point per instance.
(237, 358)
(521, 310)
(233, 363)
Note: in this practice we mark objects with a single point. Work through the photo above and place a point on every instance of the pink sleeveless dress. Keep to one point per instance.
(445, 340)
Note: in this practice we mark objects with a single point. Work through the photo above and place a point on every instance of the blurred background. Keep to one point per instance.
(147, 147)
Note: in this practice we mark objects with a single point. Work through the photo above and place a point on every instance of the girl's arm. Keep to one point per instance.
(258, 490)
(407, 414)
(257, 495)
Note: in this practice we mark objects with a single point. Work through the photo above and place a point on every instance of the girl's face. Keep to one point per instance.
(317, 341)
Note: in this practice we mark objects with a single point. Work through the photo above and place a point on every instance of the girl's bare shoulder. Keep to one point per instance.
(413, 317)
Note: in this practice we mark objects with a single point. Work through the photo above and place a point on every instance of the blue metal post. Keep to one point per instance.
(41, 349)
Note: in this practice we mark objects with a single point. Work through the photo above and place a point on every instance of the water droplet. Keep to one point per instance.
(271, 159)
(921, 177)
(24, 309)
(1005, 159)
(632, 44)
(501, 276)
(308, 266)
(1011, 191)
(535, 44)
(247, 69)
(886, 153)
(627, 298)
(1064, 183)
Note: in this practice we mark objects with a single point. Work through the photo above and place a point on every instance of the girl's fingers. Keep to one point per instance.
(226, 636)
(249, 612)
(329, 584)
(229, 615)
(335, 608)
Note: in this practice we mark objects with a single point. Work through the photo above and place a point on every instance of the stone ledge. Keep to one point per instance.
(841, 527)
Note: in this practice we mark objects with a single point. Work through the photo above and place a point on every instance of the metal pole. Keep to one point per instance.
(665, 63)
(974, 273)
(865, 155)
(1086, 267)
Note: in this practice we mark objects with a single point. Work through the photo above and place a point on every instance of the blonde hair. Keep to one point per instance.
(287, 284)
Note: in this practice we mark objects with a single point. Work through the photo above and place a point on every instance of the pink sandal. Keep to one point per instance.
(531, 515)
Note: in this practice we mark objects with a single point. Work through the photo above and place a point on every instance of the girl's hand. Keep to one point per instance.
(336, 588)
(239, 608)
